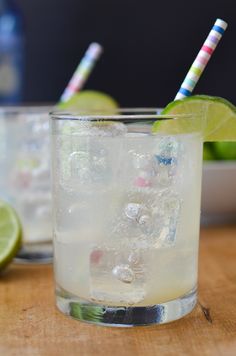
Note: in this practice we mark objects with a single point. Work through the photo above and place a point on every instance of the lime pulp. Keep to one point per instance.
(10, 234)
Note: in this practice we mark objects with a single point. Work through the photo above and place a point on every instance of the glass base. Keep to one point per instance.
(35, 254)
(125, 316)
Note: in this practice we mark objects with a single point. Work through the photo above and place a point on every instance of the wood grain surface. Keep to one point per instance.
(31, 325)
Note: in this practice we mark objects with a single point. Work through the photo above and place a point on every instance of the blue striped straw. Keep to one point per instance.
(202, 59)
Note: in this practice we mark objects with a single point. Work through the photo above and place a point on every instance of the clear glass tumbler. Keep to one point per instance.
(25, 176)
(126, 212)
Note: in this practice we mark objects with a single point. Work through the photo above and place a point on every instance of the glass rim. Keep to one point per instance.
(121, 114)
(25, 109)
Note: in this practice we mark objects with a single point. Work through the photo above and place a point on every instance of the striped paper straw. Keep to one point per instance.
(82, 71)
(202, 59)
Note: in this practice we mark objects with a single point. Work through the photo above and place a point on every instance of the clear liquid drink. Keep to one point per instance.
(126, 219)
(25, 176)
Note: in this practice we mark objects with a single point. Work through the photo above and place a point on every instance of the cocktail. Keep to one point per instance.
(25, 176)
(25, 173)
(126, 217)
(126, 198)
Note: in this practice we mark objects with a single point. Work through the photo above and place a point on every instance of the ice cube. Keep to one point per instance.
(143, 180)
(145, 167)
(113, 279)
(99, 128)
(170, 203)
(168, 149)
(110, 129)
(144, 162)
(88, 166)
(134, 220)
(80, 164)
(166, 160)
(165, 174)
(85, 154)
(152, 219)
(141, 220)
(170, 209)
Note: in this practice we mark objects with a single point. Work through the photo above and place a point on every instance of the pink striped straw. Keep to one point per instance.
(82, 72)
(202, 59)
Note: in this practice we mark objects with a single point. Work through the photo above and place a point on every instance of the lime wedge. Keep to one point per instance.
(225, 150)
(10, 234)
(215, 118)
(90, 101)
(208, 152)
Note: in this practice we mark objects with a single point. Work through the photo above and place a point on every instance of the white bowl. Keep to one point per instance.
(219, 192)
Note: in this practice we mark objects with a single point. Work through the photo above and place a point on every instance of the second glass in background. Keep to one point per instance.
(25, 176)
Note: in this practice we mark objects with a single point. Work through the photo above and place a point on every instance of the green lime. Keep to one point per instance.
(90, 101)
(215, 118)
(208, 152)
(10, 234)
(225, 150)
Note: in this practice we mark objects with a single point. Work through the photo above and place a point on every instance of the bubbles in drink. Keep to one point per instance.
(124, 273)
(132, 210)
(98, 128)
(146, 224)
(134, 257)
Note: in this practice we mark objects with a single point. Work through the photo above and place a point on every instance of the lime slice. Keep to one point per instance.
(10, 234)
(215, 118)
(225, 150)
(208, 152)
(90, 101)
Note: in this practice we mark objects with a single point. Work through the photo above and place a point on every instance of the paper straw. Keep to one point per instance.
(82, 71)
(202, 59)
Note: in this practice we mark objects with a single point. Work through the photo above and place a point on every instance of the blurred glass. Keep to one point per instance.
(25, 176)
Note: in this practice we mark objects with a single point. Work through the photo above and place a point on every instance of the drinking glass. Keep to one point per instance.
(126, 216)
(25, 176)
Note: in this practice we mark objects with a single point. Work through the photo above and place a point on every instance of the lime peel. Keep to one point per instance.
(10, 234)
(215, 120)
(90, 101)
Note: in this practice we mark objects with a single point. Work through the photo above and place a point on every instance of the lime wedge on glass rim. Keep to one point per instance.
(90, 101)
(10, 234)
(214, 117)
